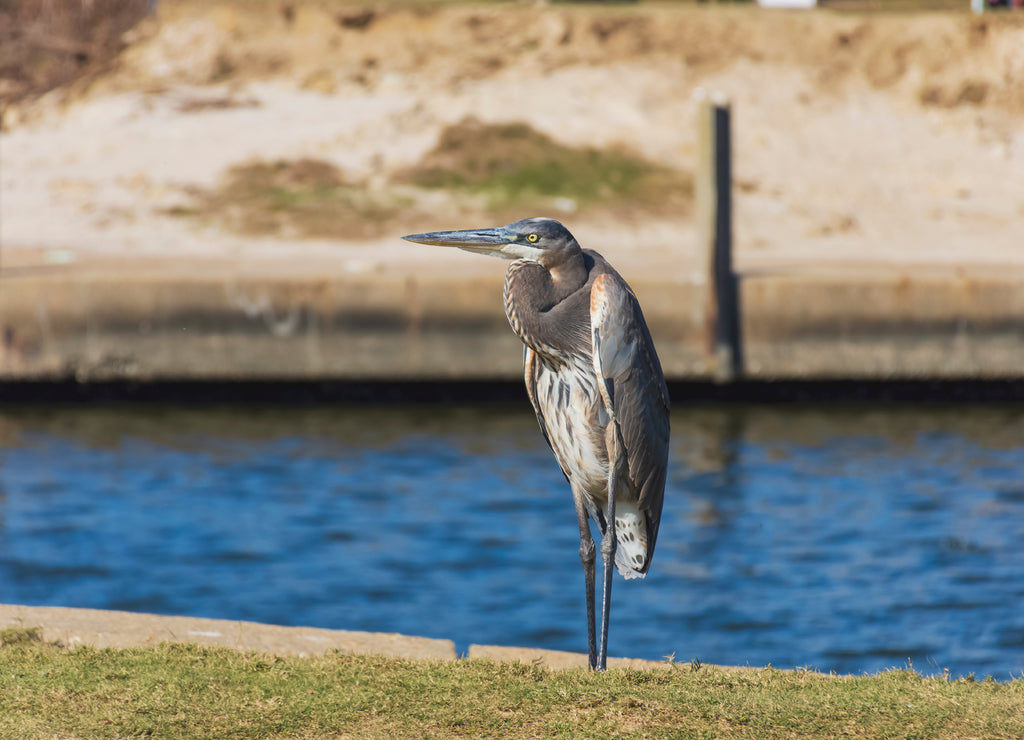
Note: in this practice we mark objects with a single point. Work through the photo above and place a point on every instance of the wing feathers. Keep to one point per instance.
(634, 390)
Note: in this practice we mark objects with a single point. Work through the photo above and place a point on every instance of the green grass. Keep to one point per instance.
(515, 166)
(176, 690)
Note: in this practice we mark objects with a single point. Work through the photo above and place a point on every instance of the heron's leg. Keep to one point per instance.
(609, 543)
(608, 547)
(587, 556)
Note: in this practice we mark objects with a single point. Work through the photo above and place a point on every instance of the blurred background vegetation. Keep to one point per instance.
(48, 43)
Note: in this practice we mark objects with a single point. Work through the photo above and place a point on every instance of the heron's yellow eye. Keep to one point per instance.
(532, 238)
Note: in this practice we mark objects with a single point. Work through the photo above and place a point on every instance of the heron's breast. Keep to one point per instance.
(573, 413)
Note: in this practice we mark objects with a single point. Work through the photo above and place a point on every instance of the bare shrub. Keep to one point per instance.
(45, 44)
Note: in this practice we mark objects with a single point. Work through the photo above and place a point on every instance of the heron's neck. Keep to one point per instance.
(568, 276)
(537, 306)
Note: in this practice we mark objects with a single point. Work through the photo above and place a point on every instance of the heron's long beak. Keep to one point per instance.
(481, 241)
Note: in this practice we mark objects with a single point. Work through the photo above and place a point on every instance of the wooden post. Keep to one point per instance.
(713, 196)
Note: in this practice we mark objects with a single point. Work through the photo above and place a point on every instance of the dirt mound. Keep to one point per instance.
(944, 59)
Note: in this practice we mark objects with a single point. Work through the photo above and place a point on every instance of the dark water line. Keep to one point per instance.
(500, 391)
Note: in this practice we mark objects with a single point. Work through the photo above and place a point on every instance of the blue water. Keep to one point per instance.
(850, 540)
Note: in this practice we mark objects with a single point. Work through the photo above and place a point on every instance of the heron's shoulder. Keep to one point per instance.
(595, 263)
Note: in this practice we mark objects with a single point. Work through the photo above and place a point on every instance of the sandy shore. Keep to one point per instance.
(879, 182)
(865, 138)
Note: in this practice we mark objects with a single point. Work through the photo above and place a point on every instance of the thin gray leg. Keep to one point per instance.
(609, 543)
(587, 556)
(608, 547)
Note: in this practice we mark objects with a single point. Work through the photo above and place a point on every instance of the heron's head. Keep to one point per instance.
(542, 240)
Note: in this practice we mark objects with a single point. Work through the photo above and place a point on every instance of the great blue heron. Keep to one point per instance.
(596, 384)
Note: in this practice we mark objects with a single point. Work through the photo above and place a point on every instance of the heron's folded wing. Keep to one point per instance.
(628, 366)
(530, 376)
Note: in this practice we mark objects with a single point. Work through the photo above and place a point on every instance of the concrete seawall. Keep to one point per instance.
(873, 322)
(884, 325)
(100, 628)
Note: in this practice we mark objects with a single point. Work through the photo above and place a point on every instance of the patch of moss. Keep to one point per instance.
(512, 164)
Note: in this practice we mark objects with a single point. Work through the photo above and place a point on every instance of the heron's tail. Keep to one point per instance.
(631, 536)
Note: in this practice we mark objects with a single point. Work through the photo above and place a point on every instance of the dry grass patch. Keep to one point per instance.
(305, 198)
(516, 167)
(497, 172)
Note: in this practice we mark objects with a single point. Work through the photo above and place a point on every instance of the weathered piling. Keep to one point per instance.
(713, 212)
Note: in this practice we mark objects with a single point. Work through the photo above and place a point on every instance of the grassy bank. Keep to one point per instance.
(174, 690)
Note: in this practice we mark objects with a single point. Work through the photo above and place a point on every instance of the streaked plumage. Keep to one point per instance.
(595, 382)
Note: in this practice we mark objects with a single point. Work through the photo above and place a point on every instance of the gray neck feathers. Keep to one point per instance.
(551, 317)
